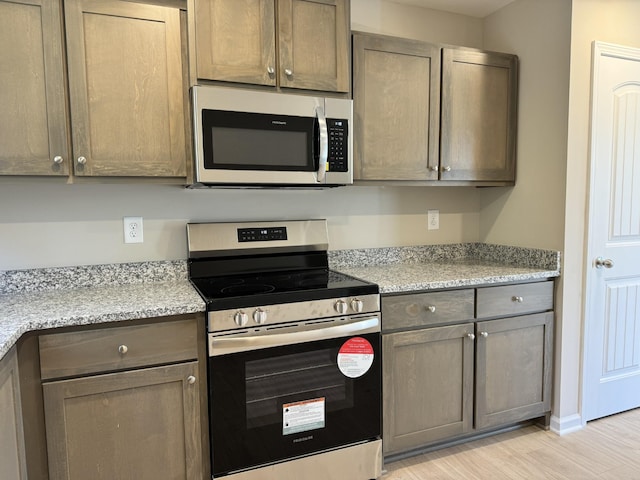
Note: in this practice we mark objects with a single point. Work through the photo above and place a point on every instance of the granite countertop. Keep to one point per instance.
(70, 296)
(406, 269)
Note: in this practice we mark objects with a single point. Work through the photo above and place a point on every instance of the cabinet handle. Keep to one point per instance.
(191, 379)
(471, 336)
(433, 168)
(123, 349)
(446, 168)
(288, 72)
(58, 159)
(431, 308)
(483, 334)
(517, 299)
(271, 70)
(82, 160)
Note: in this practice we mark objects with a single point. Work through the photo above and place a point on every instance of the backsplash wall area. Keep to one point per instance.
(44, 225)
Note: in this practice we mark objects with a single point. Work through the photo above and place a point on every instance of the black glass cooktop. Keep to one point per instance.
(269, 288)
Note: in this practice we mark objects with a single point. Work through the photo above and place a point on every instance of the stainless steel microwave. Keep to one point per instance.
(246, 138)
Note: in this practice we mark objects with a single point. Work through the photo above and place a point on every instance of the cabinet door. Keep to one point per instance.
(396, 98)
(314, 44)
(33, 124)
(126, 89)
(513, 369)
(479, 106)
(427, 386)
(235, 40)
(12, 454)
(141, 424)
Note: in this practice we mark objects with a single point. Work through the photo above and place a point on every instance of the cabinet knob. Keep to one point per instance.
(431, 308)
(122, 349)
(484, 334)
(446, 168)
(58, 159)
(471, 336)
(433, 168)
(517, 299)
(271, 70)
(191, 379)
(288, 72)
(82, 160)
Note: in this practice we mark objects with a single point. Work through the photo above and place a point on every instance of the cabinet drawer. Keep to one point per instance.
(511, 300)
(431, 308)
(108, 349)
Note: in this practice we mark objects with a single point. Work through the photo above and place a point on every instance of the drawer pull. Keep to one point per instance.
(517, 299)
(484, 334)
(431, 308)
(191, 379)
(123, 349)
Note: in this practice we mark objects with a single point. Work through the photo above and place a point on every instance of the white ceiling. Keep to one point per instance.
(473, 8)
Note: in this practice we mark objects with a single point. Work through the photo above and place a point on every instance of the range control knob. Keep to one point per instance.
(241, 318)
(259, 316)
(341, 307)
(357, 305)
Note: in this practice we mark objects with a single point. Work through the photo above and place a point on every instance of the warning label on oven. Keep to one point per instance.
(355, 357)
(302, 416)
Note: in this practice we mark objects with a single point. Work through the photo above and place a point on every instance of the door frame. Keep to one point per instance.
(598, 50)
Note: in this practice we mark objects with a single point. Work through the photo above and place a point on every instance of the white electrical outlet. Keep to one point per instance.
(433, 219)
(132, 229)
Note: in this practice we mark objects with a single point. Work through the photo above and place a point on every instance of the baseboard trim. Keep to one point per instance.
(565, 425)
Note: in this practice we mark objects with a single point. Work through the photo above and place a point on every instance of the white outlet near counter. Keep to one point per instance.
(132, 227)
(433, 219)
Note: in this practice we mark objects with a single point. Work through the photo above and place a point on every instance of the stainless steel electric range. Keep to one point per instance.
(294, 371)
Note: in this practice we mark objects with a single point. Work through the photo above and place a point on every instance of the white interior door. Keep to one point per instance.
(612, 328)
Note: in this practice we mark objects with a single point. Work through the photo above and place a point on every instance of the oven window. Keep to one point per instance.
(271, 404)
(274, 382)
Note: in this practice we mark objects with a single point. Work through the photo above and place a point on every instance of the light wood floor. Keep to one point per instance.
(608, 449)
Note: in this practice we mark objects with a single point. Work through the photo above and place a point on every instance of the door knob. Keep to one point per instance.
(602, 262)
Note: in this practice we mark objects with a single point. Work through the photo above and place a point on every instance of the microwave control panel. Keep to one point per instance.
(338, 143)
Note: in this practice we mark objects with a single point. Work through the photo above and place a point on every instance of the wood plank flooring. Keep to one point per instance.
(608, 448)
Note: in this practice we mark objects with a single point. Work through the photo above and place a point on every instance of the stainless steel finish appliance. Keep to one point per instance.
(246, 138)
(294, 371)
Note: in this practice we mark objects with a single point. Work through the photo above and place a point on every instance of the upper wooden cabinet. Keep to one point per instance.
(423, 113)
(307, 47)
(33, 124)
(125, 89)
(396, 98)
(479, 108)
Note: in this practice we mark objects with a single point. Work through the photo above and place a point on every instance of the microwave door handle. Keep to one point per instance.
(324, 143)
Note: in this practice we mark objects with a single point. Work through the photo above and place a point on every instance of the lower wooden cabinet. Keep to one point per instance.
(513, 369)
(445, 382)
(123, 402)
(140, 424)
(427, 386)
(12, 453)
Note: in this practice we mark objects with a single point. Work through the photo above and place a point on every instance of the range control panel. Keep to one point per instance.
(262, 234)
(338, 141)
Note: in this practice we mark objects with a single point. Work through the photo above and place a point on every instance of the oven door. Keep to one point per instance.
(281, 402)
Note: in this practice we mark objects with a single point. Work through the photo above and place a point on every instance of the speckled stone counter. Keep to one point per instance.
(406, 269)
(59, 297)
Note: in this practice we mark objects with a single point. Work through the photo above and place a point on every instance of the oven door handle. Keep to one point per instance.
(222, 345)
